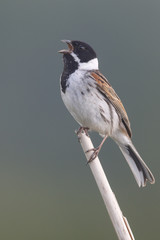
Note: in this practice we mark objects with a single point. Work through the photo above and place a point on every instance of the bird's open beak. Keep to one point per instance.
(70, 47)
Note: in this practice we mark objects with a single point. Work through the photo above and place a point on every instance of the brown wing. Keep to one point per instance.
(106, 89)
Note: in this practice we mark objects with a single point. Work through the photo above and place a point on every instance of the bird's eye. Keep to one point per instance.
(82, 48)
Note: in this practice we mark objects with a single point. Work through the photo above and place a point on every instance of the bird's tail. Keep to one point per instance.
(139, 169)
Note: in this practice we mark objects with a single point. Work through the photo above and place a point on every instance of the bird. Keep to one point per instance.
(94, 104)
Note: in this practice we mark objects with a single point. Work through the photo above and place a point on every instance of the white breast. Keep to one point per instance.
(87, 105)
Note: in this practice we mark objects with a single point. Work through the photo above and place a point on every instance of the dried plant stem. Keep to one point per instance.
(120, 223)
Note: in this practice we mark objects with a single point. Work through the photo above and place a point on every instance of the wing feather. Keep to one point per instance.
(106, 89)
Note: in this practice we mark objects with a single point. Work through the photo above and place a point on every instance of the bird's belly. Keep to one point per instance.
(89, 109)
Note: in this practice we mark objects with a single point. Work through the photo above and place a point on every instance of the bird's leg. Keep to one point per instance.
(81, 129)
(96, 150)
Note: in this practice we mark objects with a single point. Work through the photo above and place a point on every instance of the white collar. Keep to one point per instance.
(90, 65)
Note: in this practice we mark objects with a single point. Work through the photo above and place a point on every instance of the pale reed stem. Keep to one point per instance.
(120, 223)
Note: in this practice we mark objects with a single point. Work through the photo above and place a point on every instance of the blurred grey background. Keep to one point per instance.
(46, 190)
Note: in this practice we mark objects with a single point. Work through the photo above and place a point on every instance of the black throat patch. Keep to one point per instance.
(70, 66)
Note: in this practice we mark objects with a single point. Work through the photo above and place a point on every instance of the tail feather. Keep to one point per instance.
(140, 170)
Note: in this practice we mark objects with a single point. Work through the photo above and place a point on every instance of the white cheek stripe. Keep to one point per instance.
(91, 65)
(75, 57)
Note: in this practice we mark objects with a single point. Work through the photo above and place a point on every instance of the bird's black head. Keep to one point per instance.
(81, 50)
(78, 56)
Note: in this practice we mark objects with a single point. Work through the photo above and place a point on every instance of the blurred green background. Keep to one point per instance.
(46, 190)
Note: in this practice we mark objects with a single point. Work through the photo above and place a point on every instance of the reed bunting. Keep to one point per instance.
(94, 104)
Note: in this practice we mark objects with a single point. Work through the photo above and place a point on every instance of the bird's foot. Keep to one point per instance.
(94, 154)
(83, 129)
